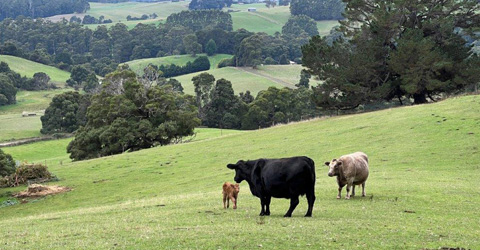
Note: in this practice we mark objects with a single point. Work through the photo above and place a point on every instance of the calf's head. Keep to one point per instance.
(334, 167)
(236, 188)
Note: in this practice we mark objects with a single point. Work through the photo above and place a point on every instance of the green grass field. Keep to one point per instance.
(422, 191)
(140, 64)
(31, 101)
(14, 126)
(29, 68)
(241, 81)
(119, 11)
(130, 24)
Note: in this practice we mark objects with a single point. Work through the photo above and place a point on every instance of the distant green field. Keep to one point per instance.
(29, 68)
(324, 27)
(241, 81)
(119, 11)
(31, 101)
(14, 126)
(139, 65)
(422, 192)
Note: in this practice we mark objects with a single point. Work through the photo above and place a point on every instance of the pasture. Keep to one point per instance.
(28, 68)
(422, 191)
(138, 65)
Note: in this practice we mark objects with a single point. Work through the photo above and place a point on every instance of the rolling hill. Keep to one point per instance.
(422, 190)
(140, 64)
(28, 68)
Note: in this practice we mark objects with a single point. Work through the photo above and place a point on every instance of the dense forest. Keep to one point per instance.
(41, 8)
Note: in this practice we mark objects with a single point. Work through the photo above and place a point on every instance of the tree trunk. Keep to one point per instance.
(419, 98)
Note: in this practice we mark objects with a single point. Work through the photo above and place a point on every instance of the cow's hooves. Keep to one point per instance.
(308, 215)
(262, 214)
(347, 198)
(267, 214)
(339, 197)
(363, 195)
(287, 215)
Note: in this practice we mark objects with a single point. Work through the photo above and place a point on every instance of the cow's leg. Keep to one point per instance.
(363, 189)
(224, 201)
(263, 202)
(293, 204)
(339, 191)
(267, 205)
(236, 199)
(349, 186)
(353, 191)
(311, 201)
(228, 202)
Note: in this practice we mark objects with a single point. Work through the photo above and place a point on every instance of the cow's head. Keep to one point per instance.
(243, 170)
(334, 166)
(248, 170)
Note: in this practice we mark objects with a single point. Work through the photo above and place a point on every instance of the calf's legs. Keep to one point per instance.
(224, 201)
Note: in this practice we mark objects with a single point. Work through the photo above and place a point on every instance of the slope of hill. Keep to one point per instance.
(241, 80)
(28, 68)
(140, 64)
(422, 190)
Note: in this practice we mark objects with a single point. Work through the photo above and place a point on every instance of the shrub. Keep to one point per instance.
(226, 63)
(24, 173)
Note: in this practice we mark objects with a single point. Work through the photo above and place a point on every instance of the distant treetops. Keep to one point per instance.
(41, 8)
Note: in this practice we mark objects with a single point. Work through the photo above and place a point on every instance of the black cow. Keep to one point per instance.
(280, 178)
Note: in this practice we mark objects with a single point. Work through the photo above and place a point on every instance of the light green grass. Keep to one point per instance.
(324, 27)
(171, 196)
(31, 101)
(119, 11)
(29, 68)
(241, 81)
(181, 60)
(14, 126)
(286, 73)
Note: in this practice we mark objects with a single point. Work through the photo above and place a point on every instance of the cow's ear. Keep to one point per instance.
(339, 163)
(232, 166)
(260, 163)
(327, 163)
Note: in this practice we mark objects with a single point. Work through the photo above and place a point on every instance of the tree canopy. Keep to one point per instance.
(129, 115)
(41, 8)
(393, 50)
(7, 164)
(318, 9)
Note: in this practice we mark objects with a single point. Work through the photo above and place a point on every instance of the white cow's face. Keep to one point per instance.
(334, 167)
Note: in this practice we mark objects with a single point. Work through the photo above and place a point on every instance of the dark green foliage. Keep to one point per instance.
(284, 60)
(283, 2)
(191, 45)
(202, 19)
(226, 63)
(127, 116)
(298, 24)
(246, 97)
(204, 84)
(304, 79)
(224, 110)
(269, 61)
(318, 10)
(40, 81)
(78, 76)
(65, 114)
(250, 51)
(199, 64)
(7, 164)
(8, 91)
(274, 106)
(211, 48)
(382, 59)
(40, 8)
(206, 4)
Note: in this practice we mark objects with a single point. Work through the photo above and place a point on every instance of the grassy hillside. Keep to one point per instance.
(29, 68)
(241, 80)
(14, 126)
(140, 64)
(422, 191)
(120, 11)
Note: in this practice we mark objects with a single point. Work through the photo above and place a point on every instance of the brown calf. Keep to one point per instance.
(230, 192)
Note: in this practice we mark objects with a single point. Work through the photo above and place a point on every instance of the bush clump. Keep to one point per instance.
(25, 173)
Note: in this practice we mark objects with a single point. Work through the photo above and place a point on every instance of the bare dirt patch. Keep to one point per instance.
(37, 190)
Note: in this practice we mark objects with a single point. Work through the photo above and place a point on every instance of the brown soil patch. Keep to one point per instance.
(37, 190)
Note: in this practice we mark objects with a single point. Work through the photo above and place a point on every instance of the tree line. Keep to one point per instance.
(201, 63)
(65, 45)
(41, 8)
